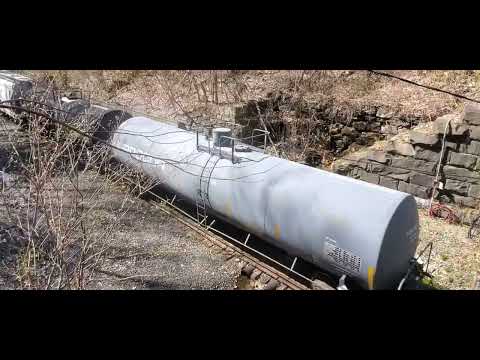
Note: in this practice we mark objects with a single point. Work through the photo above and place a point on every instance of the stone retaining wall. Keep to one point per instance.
(338, 129)
(409, 163)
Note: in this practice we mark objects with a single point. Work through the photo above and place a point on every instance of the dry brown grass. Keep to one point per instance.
(208, 94)
(207, 97)
(455, 258)
(357, 89)
(100, 84)
(344, 87)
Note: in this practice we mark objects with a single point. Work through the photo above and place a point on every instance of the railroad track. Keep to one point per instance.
(266, 277)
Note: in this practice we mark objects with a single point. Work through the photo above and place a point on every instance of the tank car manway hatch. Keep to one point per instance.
(220, 142)
(344, 226)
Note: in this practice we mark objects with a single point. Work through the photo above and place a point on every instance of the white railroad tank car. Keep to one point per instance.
(343, 225)
(14, 86)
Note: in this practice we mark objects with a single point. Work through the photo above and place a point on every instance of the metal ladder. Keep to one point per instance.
(202, 192)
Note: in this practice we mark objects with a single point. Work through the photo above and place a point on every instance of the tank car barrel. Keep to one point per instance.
(343, 225)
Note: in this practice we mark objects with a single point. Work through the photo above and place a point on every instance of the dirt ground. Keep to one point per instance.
(161, 253)
(147, 249)
(151, 250)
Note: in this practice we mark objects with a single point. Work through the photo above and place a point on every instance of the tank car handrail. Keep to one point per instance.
(233, 139)
(265, 134)
(285, 210)
(250, 137)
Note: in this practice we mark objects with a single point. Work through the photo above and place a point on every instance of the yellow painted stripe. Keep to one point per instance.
(371, 276)
(229, 209)
(276, 231)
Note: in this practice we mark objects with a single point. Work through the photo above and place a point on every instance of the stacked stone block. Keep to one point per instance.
(363, 127)
(410, 165)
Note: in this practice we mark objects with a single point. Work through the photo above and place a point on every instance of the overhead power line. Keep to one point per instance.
(424, 86)
(171, 162)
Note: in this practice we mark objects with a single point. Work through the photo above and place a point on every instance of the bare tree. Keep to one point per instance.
(62, 181)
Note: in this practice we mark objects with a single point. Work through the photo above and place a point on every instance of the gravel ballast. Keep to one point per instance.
(152, 250)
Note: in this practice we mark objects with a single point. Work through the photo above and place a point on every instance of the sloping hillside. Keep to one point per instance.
(314, 117)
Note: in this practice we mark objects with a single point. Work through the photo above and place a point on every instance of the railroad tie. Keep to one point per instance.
(248, 269)
(271, 285)
(255, 274)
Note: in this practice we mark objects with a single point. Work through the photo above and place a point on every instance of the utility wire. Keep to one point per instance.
(140, 133)
(423, 86)
(170, 162)
(167, 161)
(135, 133)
